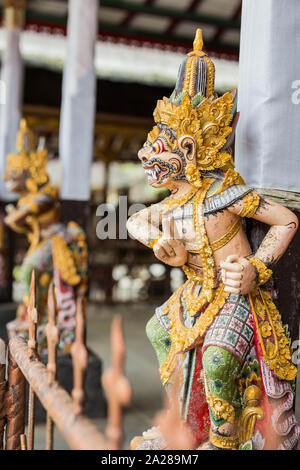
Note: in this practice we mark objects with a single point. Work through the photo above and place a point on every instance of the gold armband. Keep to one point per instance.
(153, 242)
(250, 205)
(264, 273)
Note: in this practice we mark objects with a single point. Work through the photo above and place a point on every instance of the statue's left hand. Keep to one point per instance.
(169, 249)
(16, 216)
(238, 275)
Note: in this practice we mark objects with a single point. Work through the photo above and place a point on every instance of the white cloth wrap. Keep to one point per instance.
(11, 93)
(78, 101)
(268, 137)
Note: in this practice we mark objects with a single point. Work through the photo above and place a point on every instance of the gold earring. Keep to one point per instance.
(193, 175)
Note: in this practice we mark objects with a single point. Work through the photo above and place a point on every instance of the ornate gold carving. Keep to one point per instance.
(190, 74)
(251, 413)
(275, 346)
(208, 124)
(210, 77)
(193, 175)
(232, 177)
(198, 44)
(192, 275)
(224, 442)
(221, 409)
(27, 160)
(171, 202)
(195, 303)
(64, 259)
(153, 134)
(250, 205)
(260, 309)
(264, 273)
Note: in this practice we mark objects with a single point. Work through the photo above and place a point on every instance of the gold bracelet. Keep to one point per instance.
(223, 442)
(153, 242)
(264, 273)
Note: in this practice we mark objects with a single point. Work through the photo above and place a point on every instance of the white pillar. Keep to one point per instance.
(78, 101)
(11, 86)
(268, 134)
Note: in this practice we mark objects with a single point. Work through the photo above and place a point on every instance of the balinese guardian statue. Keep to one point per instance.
(220, 332)
(57, 252)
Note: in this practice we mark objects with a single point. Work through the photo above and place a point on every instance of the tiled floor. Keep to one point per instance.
(141, 368)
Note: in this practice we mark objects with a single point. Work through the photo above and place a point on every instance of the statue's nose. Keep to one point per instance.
(144, 155)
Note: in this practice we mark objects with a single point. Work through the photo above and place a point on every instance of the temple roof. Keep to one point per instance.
(139, 41)
(158, 22)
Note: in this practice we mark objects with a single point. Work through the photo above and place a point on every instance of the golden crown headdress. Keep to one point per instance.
(27, 159)
(194, 110)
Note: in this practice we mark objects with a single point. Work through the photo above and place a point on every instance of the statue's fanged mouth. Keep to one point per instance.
(157, 170)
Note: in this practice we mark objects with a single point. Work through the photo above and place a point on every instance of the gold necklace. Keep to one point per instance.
(193, 302)
(183, 338)
(171, 202)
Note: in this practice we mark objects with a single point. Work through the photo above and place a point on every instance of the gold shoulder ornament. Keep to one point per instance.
(250, 205)
(232, 177)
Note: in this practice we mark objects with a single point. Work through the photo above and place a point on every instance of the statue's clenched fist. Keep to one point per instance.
(168, 249)
(238, 275)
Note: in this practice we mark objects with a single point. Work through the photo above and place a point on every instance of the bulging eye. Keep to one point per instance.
(158, 146)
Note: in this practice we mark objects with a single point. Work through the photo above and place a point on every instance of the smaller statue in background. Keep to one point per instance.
(57, 251)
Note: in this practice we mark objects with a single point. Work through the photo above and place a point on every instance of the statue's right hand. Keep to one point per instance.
(10, 208)
(168, 249)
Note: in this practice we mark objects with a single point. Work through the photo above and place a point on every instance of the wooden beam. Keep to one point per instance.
(146, 9)
(131, 14)
(171, 13)
(138, 34)
(193, 5)
(221, 30)
(172, 39)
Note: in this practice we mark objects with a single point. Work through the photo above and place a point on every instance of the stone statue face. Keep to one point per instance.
(162, 163)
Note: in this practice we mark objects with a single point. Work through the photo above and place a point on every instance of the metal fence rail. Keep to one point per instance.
(65, 411)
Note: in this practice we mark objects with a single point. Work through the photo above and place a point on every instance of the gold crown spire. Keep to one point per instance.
(25, 139)
(198, 45)
(198, 41)
(197, 73)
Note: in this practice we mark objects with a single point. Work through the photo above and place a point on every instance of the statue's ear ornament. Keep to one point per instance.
(193, 175)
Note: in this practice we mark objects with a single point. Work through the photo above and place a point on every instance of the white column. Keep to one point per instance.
(268, 134)
(78, 101)
(11, 87)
